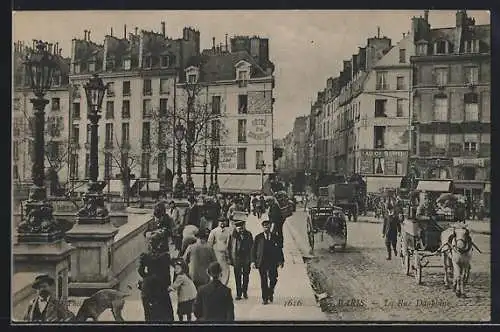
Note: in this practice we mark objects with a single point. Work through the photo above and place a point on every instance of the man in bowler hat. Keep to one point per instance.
(45, 307)
(267, 255)
(390, 230)
(240, 249)
(214, 301)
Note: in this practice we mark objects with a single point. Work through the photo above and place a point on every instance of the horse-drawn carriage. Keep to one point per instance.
(324, 217)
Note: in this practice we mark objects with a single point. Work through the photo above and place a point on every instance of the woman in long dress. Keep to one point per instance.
(218, 240)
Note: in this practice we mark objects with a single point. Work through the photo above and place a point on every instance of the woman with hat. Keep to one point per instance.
(44, 307)
(199, 256)
(186, 290)
(218, 239)
(214, 301)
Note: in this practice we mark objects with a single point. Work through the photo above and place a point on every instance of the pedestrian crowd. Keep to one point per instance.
(211, 242)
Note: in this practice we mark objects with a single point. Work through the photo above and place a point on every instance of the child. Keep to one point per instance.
(186, 291)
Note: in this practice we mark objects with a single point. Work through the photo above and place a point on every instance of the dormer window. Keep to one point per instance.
(441, 47)
(76, 68)
(165, 61)
(148, 62)
(92, 66)
(471, 46)
(192, 74)
(56, 79)
(127, 64)
(242, 73)
(191, 78)
(110, 64)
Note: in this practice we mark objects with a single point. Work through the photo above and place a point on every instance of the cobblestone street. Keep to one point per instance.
(363, 285)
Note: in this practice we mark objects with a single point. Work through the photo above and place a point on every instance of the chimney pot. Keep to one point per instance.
(226, 43)
(111, 31)
(88, 35)
(60, 51)
(85, 37)
(136, 29)
(426, 15)
(213, 43)
(163, 28)
(378, 32)
(125, 31)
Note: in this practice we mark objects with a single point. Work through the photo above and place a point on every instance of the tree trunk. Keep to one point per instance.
(126, 188)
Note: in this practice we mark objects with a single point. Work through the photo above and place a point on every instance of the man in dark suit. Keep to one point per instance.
(214, 301)
(240, 249)
(277, 220)
(44, 307)
(390, 230)
(267, 255)
(193, 213)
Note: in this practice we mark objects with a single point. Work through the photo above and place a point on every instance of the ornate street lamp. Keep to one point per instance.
(262, 167)
(94, 211)
(179, 185)
(39, 224)
(205, 164)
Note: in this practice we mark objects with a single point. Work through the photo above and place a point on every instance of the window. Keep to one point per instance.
(146, 108)
(378, 165)
(163, 107)
(110, 110)
(146, 134)
(192, 78)
(162, 162)
(379, 135)
(108, 163)
(399, 168)
(162, 134)
(382, 81)
(441, 109)
(165, 61)
(75, 133)
(441, 76)
(216, 104)
(471, 75)
(400, 83)
(163, 85)
(242, 104)
(110, 91)
(15, 151)
(110, 64)
(55, 104)
(242, 131)
(441, 47)
(468, 173)
(471, 107)
(89, 131)
(73, 170)
(243, 75)
(127, 64)
(87, 165)
(471, 143)
(241, 158)
(400, 108)
(56, 79)
(76, 68)
(145, 161)
(259, 158)
(380, 107)
(215, 127)
(76, 92)
(76, 111)
(92, 66)
(402, 55)
(125, 133)
(471, 46)
(146, 88)
(109, 135)
(126, 88)
(440, 141)
(147, 62)
(126, 109)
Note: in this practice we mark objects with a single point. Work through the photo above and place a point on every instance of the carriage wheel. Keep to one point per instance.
(418, 269)
(310, 233)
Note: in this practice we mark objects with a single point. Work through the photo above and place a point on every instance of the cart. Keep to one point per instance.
(323, 218)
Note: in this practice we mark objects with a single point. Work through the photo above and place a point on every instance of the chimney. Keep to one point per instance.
(378, 32)
(163, 28)
(426, 15)
(213, 43)
(89, 35)
(404, 34)
(124, 31)
(136, 29)
(226, 43)
(60, 51)
(56, 48)
(111, 32)
(50, 47)
(85, 37)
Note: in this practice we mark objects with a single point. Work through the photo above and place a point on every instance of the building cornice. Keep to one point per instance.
(267, 79)
(394, 66)
(449, 57)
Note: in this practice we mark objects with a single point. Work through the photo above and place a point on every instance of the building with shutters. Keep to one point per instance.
(56, 121)
(451, 104)
(237, 83)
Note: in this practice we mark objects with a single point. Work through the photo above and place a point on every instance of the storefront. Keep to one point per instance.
(374, 184)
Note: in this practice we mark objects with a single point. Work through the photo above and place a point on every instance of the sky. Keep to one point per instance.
(306, 46)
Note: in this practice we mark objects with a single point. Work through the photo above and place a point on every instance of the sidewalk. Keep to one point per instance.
(476, 226)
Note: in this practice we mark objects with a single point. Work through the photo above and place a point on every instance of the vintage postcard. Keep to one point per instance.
(322, 166)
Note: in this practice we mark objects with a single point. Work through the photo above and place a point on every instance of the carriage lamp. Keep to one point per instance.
(94, 91)
(180, 131)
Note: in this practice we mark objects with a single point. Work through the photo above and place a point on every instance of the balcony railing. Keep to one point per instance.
(382, 87)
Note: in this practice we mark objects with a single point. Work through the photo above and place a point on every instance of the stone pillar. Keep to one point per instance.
(43, 257)
(92, 262)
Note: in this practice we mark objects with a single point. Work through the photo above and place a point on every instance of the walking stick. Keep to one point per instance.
(474, 245)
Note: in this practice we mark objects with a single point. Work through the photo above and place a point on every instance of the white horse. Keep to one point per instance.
(456, 247)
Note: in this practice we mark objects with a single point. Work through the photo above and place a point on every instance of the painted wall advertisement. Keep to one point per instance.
(258, 129)
(227, 158)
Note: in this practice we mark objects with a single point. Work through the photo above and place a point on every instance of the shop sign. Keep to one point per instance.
(258, 129)
(384, 154)
(227, 158)
(479, 162)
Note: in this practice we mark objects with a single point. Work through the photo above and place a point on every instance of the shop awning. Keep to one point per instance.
(239, 183)
(468, 185)
(436, 186)
(487, 187)
(374, 184)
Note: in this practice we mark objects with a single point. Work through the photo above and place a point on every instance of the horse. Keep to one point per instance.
(456, 249)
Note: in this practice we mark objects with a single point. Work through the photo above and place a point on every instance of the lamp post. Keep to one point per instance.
(212, 171)
(179, 185)
(38, 224)
(204, 189)
(262, 167)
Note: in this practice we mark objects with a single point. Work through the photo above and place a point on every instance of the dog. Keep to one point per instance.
(101, 300)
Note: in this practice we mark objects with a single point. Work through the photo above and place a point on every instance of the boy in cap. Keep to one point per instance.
(44, 307)
(240, 249)
(214, 301)
(267, 255)
(390, 230)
